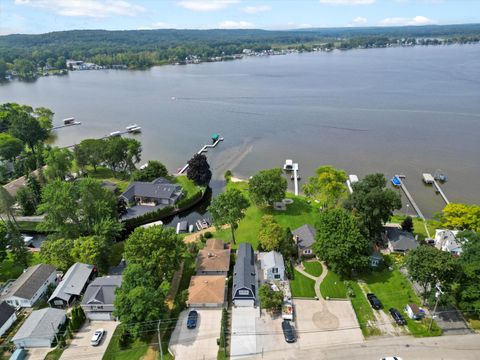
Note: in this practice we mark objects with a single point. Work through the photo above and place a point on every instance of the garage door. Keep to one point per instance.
(243, 303)
(100, 316)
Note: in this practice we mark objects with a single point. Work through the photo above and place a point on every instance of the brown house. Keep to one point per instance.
(207, 291)
(214, 259)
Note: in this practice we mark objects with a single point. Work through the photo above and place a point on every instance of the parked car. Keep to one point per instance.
(391, 358)
(288, 331)
(97, 337)
(376, 304)
(397, 316)
(192, 319)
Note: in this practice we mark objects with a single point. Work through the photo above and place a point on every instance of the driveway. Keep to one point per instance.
(80, 347)
(243, 340)
(270, 335)
(198, 343)
(38, 353)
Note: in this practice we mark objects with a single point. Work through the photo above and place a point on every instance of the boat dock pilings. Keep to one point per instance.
(205, 148)
(430, 180)
(397, 180)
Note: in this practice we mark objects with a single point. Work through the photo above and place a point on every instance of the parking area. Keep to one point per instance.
(80, 347)
(326, 323)
(244, 339)
(37, 353)
(198, 343)
(270, 336)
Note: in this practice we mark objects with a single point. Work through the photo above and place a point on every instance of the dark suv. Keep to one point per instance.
(397, 316)
(376, 304)
(288, 332)
(192, 319)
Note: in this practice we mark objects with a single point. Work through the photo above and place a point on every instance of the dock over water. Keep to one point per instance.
(440, 191)
(216, 139)
(408, 195)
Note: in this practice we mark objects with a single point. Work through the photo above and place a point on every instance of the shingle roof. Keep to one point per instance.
(244, 270)
(206, 289)
(73, 281)
(41, 324)
(215, 244)
(102, 290)
(400, 240)
(6, 311)
(30, 281)
(272, 259)
(213, 260)
(306, 236)
(157, 189)
(446, 240)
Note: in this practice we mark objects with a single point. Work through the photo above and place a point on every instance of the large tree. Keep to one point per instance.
(462, 217)
(57, 252)
(271, 234)
(59, 162)
(158, 250)
(340, 243)
(91, 250)
(10, 147)
(267, 187)
(79, 209)
(373, 203)
(90, 152)
(25, 126)
(20, 253)
(140, 301)
(468, 294)
(270, 300)
(228, 208)
(3, 241)
(199, 170)
(152, 171)
(327, 186)
(429, 266)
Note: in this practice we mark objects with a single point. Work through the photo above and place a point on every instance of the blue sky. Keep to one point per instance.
(39, 16)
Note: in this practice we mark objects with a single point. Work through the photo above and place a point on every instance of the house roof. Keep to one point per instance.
(399, 239)
(206, 289)
(102, 290)
(213, 260)
(41, 324)
(30, 281)
(244, 270)
(446, 240)
(306, 236)
(415, 309)
(272, 259)
(6, 311)
(215, 244)
(73, 281)
(157, 189)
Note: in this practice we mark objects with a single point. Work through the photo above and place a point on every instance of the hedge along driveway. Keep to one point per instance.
(297, 214)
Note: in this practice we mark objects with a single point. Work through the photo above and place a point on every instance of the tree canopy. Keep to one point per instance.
(59, 162)
(198, 170)
(340, 243)
(328, 185)
(271, 234)
(270, 300)
(152, 171)
(267, 187)
(468, 294)
(228, 208)
(373, 203)
(462, 217)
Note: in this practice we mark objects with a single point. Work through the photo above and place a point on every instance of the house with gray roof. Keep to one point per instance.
(98, 300)
(7, 317)
(40, 328)
(304, 238)
(72, 286)
(144, 197)
(272, 265)
(29, 286)
(244, 290)
(446, 240)
(398, 240)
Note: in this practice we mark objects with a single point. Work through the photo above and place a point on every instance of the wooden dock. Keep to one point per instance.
(440, 191)
(409, 197)
(202, 150)
(66, 125)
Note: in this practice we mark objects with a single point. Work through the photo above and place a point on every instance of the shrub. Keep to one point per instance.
(208, 235)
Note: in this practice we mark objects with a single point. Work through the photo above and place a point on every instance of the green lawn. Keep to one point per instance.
(302, 286)
(55, 354)
(333, 287)
(189, 187)
(136, 350)
(9, 270)
(104, 174)
(363, 310)
(297, 214)
(394, 290)
(418, 226)
(314, 268)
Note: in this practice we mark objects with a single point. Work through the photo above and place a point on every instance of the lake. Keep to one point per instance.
(396, 110)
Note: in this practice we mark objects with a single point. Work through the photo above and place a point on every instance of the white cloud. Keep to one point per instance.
(229, 24)
(257, 9)
(158, 25)
(399, 21)
(358, 21)
(87, 8)
(347, 2)
(206, 5)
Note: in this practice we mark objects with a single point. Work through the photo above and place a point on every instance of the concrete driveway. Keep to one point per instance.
(198, 343)
(38, 353)
(270, 335)
(80, 347)
(244, 340)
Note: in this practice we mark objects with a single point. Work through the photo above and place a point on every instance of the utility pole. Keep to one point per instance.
(437, 296)
(159, 340)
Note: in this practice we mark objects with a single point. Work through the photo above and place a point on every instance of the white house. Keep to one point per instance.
(446, 240)
(7, 317)
(272, 266)
(40, 328)
(30, 286)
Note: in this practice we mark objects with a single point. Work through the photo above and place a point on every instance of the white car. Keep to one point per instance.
(97, 337)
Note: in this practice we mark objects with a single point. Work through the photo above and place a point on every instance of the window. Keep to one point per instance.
(277, 276)
(307, 251)
(274, 270)
(243, 292)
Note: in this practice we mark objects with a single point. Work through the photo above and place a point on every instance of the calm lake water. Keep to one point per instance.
(399, 110)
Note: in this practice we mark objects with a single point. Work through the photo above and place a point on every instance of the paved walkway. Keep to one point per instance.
(317, 279)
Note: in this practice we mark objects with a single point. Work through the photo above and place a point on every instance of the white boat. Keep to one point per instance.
(130, 127)
(136, 129)
(27, 239)
(288, 166)
(69, 121)
(115, 133)
(182, 227)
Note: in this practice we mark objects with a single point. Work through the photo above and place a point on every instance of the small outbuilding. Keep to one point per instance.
(73, 284)
(40, 328)
(414, 312)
